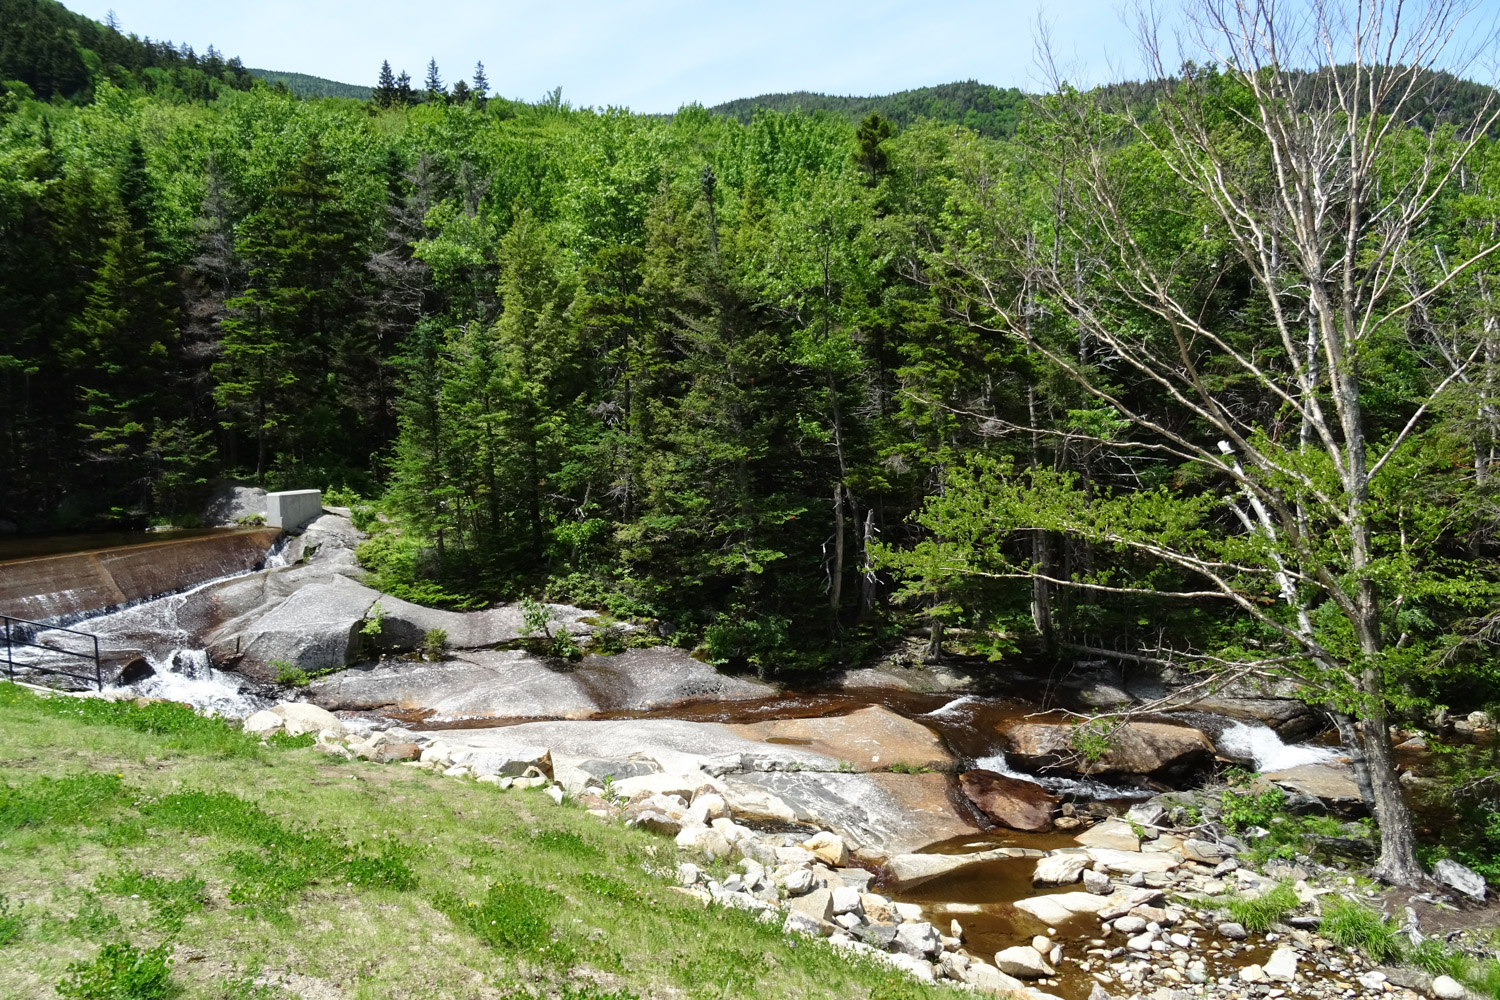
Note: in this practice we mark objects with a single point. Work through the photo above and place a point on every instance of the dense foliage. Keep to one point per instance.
(700, 369)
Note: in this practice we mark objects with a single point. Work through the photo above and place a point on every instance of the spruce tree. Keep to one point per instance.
(405, 96)
(137, 195)
(537, 340)
(481, 83)
(461, 92)
(121, 354)
(435, 92)
(292, 331)
(384, 94)
(425, 468)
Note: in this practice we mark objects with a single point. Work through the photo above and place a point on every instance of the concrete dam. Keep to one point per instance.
(65, 586)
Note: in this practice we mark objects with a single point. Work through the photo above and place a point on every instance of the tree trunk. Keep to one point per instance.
(868, 582)
(1354, 747)
(1041, 594)
(1398, 864)
(260, 442)
(836, 577)
(934, 652)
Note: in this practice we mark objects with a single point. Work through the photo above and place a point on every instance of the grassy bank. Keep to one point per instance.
(151, 853)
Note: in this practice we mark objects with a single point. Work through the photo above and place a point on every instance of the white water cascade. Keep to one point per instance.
(1260, 743)
(1081, 788)
(188, 676)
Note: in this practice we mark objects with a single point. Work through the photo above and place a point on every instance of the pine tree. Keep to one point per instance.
(405, 96)
(289, 333)
(537, 341)
(384, 94)
(481, 83)
(462, 93)
(121, 350)
(435, 92)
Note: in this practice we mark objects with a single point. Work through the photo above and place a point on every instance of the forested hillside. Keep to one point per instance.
(58, 54)
(989, 111)
(302, 85)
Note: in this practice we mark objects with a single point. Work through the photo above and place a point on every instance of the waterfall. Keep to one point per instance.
(1260, 743)
(187, 675)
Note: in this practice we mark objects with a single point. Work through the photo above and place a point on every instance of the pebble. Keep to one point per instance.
(1164, 952)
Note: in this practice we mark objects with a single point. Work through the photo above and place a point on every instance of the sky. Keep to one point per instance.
(652, 55)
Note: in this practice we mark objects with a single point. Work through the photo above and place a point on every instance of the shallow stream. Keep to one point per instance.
(981, 899)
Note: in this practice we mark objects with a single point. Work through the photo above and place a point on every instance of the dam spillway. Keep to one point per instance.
(63, 586)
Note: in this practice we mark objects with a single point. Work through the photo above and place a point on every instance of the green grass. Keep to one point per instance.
(1260, 913)
(12, 921)
(132, 833)
(1352, 925)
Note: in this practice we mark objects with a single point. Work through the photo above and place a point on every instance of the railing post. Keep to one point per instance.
(10, 663)
(98, 671)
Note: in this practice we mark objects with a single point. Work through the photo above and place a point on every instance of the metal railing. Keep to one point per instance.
(20, 632)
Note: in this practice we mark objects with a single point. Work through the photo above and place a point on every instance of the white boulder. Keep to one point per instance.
(1060, 869)
(264, 723)
(298, 718)
(1023, 962)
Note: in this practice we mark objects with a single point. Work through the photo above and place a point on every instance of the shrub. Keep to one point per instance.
(1286, 834)
(1247, 809)
(120, 972)
(1091, 740)
(535, 618)
(434, 643)
(290, 675)
(1259, 914)
(608, 641)
(565, 646)
(374, 621)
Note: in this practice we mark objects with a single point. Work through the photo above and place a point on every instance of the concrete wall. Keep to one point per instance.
(49, 587)
(292, 509)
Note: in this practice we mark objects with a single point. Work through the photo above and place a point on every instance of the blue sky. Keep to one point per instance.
(651, 55)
